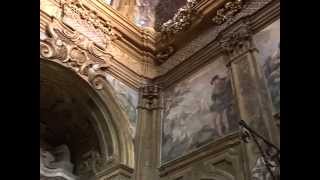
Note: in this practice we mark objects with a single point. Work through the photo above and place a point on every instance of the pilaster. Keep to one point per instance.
(148, 134)
(253, 99)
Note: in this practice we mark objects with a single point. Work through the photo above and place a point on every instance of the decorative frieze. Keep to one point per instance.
(181, 21)
(229, 10)
(87, 22)
(207, 39)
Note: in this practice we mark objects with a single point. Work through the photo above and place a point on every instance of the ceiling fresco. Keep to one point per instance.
(151, 13)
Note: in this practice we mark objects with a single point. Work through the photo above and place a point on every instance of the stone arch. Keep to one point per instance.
(109, 124)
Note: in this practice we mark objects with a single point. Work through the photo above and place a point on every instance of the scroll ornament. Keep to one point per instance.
(229, 10)
(76, 52)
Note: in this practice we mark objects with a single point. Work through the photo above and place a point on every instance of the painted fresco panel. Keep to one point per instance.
(268, 44)
(197, 110)
(127, 99)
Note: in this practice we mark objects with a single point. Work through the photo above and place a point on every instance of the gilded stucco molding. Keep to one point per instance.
(76, 52)
(180, 22)
(227, 11)
(203, 41)
(87, 22)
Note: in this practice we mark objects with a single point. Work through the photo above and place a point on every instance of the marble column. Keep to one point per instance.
(148, 134)
(253, 99)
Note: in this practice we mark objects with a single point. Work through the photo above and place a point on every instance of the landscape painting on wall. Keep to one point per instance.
(127, 99)
(268, 44)
(198, 110)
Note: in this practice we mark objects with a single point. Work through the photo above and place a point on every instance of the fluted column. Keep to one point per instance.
(253, 99)
(148, 134)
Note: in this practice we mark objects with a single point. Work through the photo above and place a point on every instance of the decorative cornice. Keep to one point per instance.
(76, 15)
(205, 151)
(227, 11)
(76, 52)
(192, 51)
(180, 22)
(140, 50)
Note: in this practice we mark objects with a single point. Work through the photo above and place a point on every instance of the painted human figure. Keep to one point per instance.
(221, 100)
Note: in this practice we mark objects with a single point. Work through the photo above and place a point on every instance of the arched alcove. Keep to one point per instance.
(81, 122)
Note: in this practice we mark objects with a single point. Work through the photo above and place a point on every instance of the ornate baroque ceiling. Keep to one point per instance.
(143, 37)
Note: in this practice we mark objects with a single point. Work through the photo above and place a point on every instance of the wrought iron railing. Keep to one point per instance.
(269, 152)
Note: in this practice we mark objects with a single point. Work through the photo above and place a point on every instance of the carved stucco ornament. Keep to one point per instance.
(181, 21)
(237, 42)
(75, 51)
(56, 166)
(87, 22)
(229, 10)
(164, 54)
(150, 95)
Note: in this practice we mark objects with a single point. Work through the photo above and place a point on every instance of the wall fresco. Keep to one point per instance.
(268, 44)
(197, 110)
(127, 99)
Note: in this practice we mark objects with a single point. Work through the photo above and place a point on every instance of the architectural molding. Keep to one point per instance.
(149, 97)
(74, 50)
(114, 172)
(145, 47)
(194, 57)
(180, 22)
(82, 55)
(206, 154)
(227, 11)
(112, 127)
(148, 137)
(201, 43)
(238, 42)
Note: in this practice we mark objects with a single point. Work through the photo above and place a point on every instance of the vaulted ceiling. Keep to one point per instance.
(141, 35)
